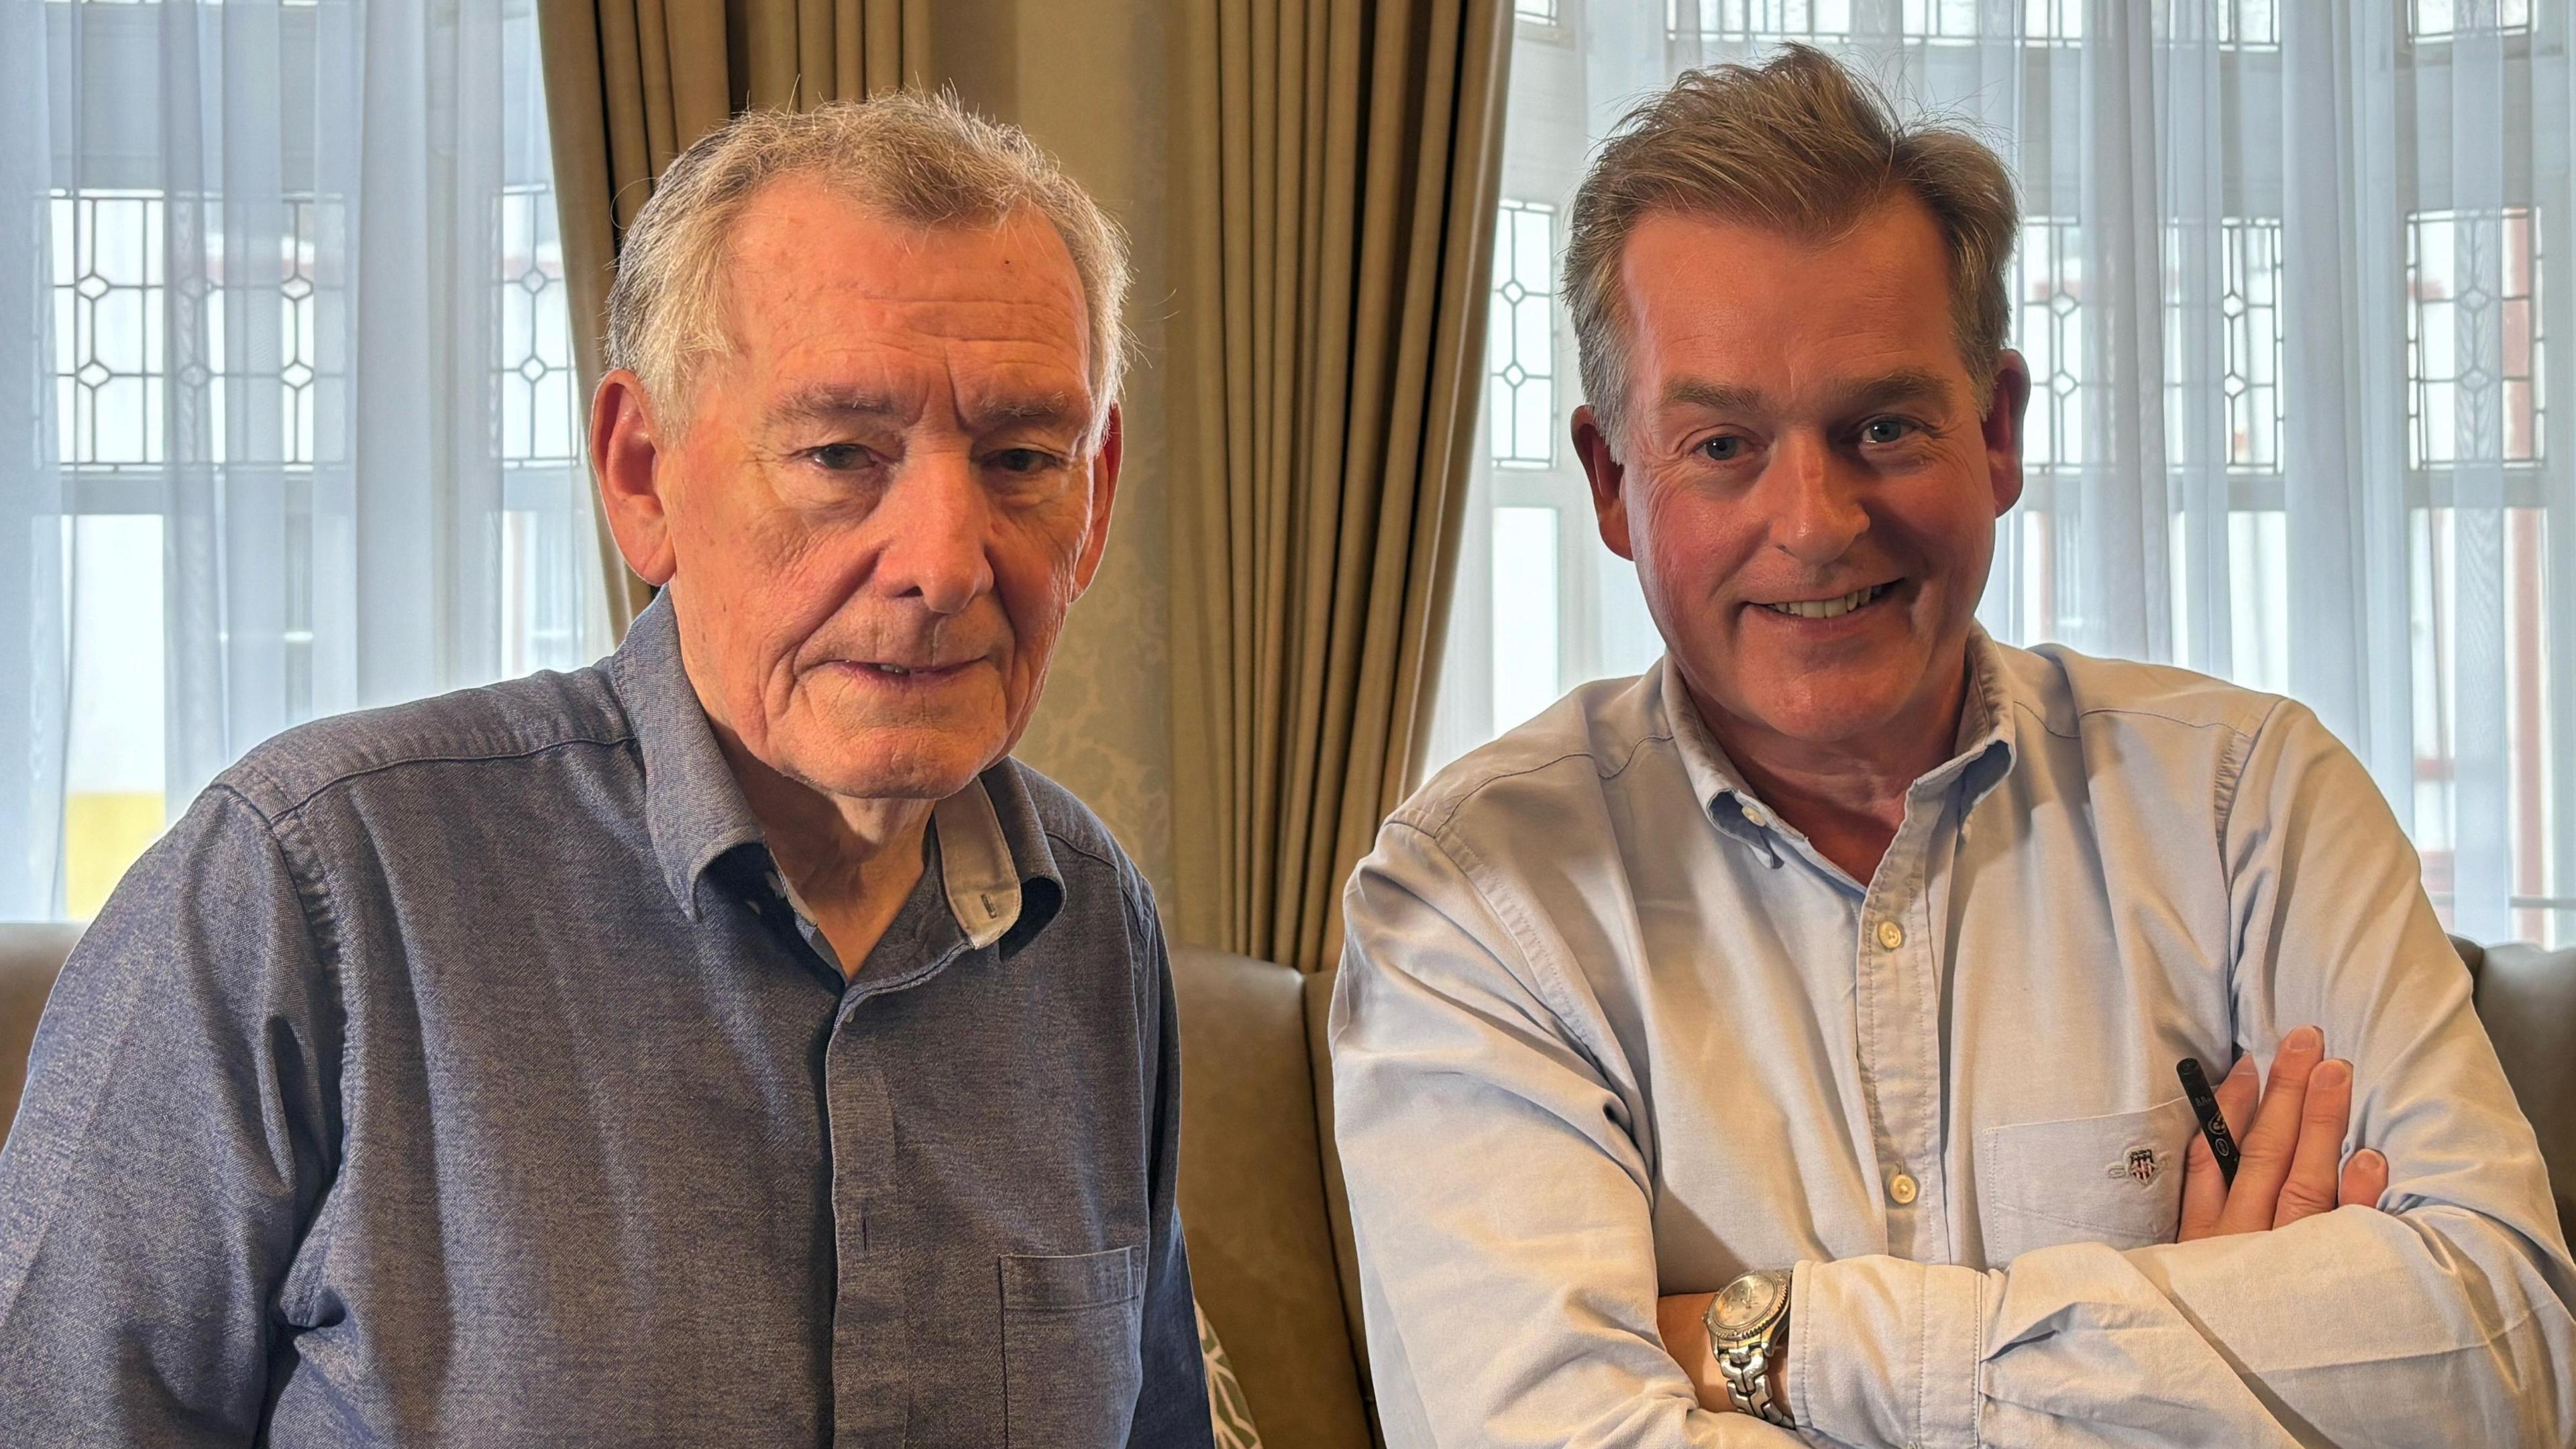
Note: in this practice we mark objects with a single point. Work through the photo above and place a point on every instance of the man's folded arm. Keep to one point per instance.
(2443, 1320)
(173, 1138)
(1499, 1200)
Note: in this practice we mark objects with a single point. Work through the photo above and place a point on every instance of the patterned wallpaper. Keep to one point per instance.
(1103, 726)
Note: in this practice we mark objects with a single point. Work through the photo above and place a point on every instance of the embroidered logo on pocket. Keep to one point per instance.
(2141, 1167)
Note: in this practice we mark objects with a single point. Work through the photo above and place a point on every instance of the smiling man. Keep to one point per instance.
(725, 1045)
(1785, 1041)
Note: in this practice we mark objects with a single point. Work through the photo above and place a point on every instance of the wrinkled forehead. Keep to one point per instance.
(817, 285)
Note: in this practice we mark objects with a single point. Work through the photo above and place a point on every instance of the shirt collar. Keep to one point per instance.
(1984, 752)
(996, 869)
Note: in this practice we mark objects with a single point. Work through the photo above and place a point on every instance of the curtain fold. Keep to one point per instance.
(1349, 155)
(630, 83)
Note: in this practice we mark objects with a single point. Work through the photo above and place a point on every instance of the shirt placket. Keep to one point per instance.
(1898, 975)
(869, 1352)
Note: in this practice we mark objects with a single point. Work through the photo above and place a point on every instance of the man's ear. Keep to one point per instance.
(626, 453)
(1104, 492)
(2002, 428)
(1608, 479)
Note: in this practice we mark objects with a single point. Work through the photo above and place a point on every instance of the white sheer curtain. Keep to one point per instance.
(286, 410)
(2286, 284)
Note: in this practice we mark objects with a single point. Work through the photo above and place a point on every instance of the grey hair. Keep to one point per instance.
(1802, 146)
(909, 157)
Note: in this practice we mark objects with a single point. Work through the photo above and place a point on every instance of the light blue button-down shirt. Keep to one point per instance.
(1608, 1029)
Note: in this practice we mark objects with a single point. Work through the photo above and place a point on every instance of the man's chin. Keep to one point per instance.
(898, 765)
(1813, 710)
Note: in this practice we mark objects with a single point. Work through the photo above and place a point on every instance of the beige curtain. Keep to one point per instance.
(630, 83)
(1349, 152)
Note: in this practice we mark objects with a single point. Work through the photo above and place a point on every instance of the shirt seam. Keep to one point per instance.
(1447, 808)
(253, 766)
(323, 944)
(1545, 977)
(2231, 778)
(2236, 727)
(1080, 849)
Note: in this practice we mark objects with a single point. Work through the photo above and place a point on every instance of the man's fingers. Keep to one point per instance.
(2311, 1186)
(2269, 1144)
(2365, 1179)
(2204, 1189)
(2203, 1194)
(2236, 1093)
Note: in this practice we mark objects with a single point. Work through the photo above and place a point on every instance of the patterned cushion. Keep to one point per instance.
(1225, 1396)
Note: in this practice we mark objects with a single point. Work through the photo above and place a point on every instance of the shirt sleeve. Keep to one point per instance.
(173, 1138)
(2444, 1319)
(1495, 1319)
(1172, 1405)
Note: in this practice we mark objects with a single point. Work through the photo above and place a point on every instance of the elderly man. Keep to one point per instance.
(1844, 961)
(726, 1044)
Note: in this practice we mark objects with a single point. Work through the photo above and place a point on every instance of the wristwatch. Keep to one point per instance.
(1748, 1326)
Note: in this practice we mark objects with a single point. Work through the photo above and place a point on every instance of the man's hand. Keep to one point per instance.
(1682, 1319)
(2287, 1170)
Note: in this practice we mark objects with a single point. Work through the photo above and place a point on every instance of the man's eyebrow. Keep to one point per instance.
(1906, 384)
(832, 404)
(1719, 397)
(836, 404)
(1002, 411)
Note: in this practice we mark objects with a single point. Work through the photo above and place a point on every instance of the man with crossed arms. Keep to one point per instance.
(1843, 961)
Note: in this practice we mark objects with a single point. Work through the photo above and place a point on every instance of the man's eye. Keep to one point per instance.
(1024, 460)
(1883, 431)
(839, 457)
(1724, 448)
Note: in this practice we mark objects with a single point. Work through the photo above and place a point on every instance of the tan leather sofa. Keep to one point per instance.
(1270, 1244)
(1261, 1196)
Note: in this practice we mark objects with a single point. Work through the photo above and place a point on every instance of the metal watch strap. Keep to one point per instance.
(1747, 1370)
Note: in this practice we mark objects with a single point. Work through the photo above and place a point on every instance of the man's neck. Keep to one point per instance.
(852, 863)
(1846, 796)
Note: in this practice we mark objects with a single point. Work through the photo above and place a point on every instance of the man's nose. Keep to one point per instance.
(933, 524)
(1815, 506)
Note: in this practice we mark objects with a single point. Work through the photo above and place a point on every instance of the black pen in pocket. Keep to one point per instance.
(2213, 1122)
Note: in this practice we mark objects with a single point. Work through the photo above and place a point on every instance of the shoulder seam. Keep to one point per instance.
(1453, 804)
(1080, 849)
(493, 757)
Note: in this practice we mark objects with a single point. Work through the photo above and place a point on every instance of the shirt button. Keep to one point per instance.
(1755, 815)
(1901, 1189)
(1890, 935)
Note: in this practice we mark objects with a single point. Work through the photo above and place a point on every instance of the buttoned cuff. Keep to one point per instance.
(1883, 1351)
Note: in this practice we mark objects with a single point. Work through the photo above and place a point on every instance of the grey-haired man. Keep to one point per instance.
(727, 1044)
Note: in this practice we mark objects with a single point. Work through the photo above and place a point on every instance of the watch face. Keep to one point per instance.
(1744, 1302)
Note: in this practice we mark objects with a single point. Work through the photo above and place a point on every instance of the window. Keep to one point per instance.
(2245, 328)
(2048, 304)
(1541, 12)
(1957, 22)
(1520, 345)
(2251, 308)
(233, 556)
(2443, 19)
(1811, 20)
(2473, 336)
(2250, 24)
(1526, 613)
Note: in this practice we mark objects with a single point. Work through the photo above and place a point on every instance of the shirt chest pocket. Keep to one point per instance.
(2115, 1180)
(1070, 1364)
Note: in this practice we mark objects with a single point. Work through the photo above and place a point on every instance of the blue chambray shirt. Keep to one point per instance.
(1609, 1028)
(459, 1074)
